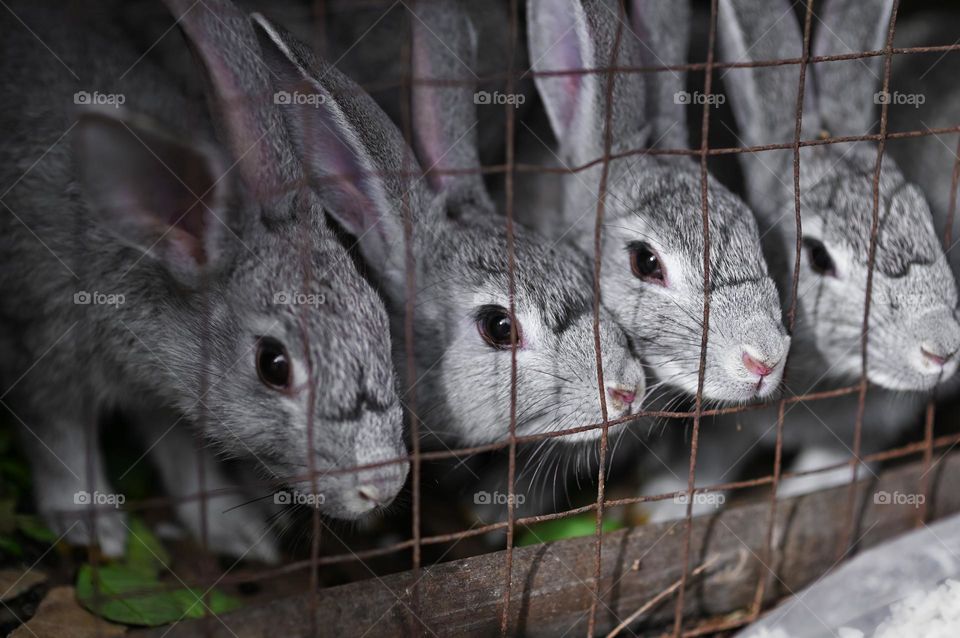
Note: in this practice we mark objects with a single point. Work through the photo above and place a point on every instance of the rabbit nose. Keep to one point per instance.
(621, 396)
(753, 363)
(370, 493)
(930, 354)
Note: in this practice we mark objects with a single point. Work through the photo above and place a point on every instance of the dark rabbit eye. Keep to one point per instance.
(493, 323)
(820, 259)
(273, 363)
(645, 263)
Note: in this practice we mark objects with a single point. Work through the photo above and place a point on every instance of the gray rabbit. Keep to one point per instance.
(923, 95)
(652, 238)
(369, 44)
(913, 333)
(148, 270)
(462, 326)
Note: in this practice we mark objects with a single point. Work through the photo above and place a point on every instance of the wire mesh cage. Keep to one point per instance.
(299, 291)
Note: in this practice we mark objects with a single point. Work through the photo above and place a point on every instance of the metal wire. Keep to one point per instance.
(509, 169)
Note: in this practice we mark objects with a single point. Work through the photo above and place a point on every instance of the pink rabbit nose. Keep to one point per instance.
(622, 395)
(756, 367)
(369, 493)
(936, 359)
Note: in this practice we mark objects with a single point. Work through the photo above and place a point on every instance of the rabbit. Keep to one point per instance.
(121, 292)
(924, 96)
(462, 325)
(652, 237)
(913, 333)
(446, 125)
(369, 44)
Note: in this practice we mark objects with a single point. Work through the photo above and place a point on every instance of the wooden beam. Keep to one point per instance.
(552, 582)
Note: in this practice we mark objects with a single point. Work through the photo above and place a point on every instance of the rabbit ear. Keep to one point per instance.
(445, 116)
(764, 99)
(241, 95)
(663, 28)
(364, 170)
(567, 35)
(846, 88)
(155, 192)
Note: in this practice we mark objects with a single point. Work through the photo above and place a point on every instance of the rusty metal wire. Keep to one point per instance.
(792, 313)
(417, 541)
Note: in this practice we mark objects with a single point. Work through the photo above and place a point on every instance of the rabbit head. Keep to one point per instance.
(297, 343)
(913, 332)
(652, 241)
(463, 330)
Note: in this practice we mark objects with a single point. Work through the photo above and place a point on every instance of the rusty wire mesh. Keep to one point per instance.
(417, 541)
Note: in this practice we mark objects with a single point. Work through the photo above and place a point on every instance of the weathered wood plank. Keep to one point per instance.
(552, 583)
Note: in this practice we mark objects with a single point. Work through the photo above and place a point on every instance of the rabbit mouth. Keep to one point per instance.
(906, 379)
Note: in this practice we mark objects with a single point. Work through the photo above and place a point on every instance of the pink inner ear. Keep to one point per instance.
(187, 246)
(187, 229)
(572, 85)
(569, 58)
(429, 137)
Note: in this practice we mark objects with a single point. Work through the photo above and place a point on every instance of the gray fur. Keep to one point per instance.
(95, 212)
(914, 295)
(461, 262)
(929, 160)
(663, 30)
(654, 199)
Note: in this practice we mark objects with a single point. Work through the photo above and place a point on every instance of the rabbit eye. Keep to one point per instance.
(493, 324)
(819, 257)
(645, 263)
(273, 363)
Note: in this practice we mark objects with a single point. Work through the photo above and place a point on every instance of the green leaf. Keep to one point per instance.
(558, 529)
(139, 573)
(34, 529)
(145, 552)
(112, 580)
(15, 470)
(10, 546)
(194, 606)
(151, 605)
(8, 522)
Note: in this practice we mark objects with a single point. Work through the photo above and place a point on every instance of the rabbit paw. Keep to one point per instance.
(76, 522)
